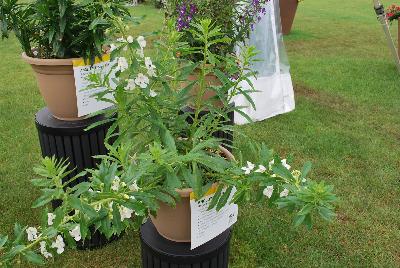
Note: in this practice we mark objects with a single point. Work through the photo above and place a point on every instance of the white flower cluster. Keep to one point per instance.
(44, 251)
(269, 190)
(58, 244)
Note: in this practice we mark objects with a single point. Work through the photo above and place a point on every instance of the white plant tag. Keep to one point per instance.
(86, 102)
(208, 224)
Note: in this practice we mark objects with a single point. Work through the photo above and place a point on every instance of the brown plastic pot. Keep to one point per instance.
(55, 78)
(288, 12)
(174, 223)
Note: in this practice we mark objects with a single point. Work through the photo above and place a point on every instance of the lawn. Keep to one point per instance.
(346, 122)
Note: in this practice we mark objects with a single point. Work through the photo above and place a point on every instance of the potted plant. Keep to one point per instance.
(288, 9)
(392, 14)
(158, 157)
(52, 34)
(235, 19)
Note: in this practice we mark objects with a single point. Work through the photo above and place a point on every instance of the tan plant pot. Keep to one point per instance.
(175, 223)
(55, 78)
(211, 80)
(288, 12)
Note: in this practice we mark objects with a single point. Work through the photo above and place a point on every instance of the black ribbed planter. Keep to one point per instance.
(158, 252)
(69, 140)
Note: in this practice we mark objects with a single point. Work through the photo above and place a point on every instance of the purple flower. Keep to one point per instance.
(187, 10)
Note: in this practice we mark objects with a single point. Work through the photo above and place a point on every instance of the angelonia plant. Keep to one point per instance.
(157, 146)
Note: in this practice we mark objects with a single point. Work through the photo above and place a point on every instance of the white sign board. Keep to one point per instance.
(208, 224)
(86, 102)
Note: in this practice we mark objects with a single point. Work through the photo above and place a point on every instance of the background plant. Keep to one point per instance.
(235, 18)
(61, 28)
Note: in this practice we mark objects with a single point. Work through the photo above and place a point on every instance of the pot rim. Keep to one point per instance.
(48, 62)
(185, 192)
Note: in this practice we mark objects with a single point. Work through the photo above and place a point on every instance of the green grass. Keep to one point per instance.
(346, 121)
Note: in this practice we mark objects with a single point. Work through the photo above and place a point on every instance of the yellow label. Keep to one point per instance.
(210, 191)
(81, 62)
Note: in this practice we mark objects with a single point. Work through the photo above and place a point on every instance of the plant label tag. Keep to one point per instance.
(208, 224)
(86, 101)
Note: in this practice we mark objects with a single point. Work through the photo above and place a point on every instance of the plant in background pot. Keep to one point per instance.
(393, 12)
(288, 9)
(159, 158)
(54, 32)
(234, 19)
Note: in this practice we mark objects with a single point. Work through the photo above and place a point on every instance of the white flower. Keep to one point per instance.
(261, 169)
(122, 64)
(32, 233)
(284, 193)
(121, 39)
(129, 39)
(59, 244)
(115, 183)
(142, 80)
(113, 47)
(125, 212)
(283, 162)
(35, 53)
(50, 218)
(152, 72)
(141, 41)
(304, 180)
(134, 187)
(148, 62)
(153, 93)
(140, 52)
(268, 191)
(250, 166)
(130, 85)
(43, 250)
(151, 69)
(76, 233)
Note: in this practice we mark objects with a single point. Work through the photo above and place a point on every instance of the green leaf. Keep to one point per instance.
(117, 224)
(326, 213)
(217, 195)
(306, 169)
(33, 257)
(19, 233)
(298, 220)
(3, 240)
(81, 188)
(224, 198)
(306, 209)
(172, 181)
(42, 182)
(45, 198)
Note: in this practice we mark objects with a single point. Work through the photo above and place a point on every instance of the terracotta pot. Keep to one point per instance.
(211, 80)
(56, 83)
(288, 12)
(174, 223)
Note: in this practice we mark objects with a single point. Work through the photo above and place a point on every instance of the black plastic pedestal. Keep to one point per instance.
(69, 140)
(158, 252)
